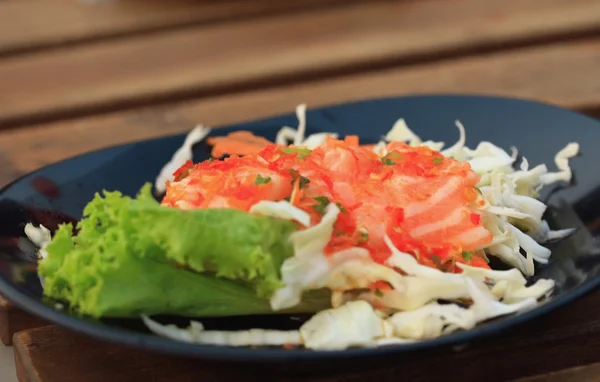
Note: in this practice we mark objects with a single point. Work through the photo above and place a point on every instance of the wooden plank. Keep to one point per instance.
(27, 25)
(14, 320)
(21, 370)
(225, 57)
(529, 73)
(554, 342)
(588, 373)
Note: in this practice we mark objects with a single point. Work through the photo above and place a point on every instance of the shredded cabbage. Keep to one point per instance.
(357, 323)
(297, 136)
(308, 264)
(196, 333)
(281, 210)
(40, 237)
(183, 154)
(352, 324)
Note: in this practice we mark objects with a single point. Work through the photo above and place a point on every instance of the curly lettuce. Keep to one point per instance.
(131, 256)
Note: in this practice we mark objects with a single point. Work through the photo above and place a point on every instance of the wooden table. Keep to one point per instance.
(77, 76)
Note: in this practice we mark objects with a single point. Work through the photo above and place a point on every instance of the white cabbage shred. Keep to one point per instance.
(288, 135)
(195, 333)
(281, 210)
(39, 236)
(411, 310)
(182, 155)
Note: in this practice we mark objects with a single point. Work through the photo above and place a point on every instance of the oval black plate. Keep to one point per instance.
(538, 130)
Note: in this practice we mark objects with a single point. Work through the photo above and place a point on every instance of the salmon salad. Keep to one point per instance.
(381, 243)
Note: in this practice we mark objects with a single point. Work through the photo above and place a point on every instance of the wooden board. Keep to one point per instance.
(529, 73)
(551, 343)
(55, 23)
(14, 320)
(222, 58)
(587, 373)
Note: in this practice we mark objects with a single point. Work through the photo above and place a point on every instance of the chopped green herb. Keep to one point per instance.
(438, 161)
(342, 209)
(467, 255)
(391, 158)
(182, 175)
(262, 180)
(378, 293)
(304, 181)
(288, 198)
(363, 238)
(437, 261)
(393, 155)
(294, 173)
(302, 152)
(211, 159)
(444, 267)
(322, 203)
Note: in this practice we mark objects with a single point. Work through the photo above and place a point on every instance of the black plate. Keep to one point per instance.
(538, 130)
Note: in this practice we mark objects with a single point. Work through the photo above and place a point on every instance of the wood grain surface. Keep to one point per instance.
(587, 373)
(224, 57)
(540, 76)
(557, 341)
(59, 23)
(13, 320)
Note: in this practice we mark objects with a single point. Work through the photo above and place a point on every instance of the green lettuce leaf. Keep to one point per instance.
(132, 256)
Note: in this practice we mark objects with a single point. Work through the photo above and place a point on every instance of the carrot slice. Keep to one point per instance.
(297, 193)
(351, 140)
(237, 143)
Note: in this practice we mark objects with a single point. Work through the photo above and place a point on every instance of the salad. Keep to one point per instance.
(383, 243)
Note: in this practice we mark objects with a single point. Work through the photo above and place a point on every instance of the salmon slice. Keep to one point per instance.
(420, 199)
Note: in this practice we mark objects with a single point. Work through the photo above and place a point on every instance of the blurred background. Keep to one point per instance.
(77, 75)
